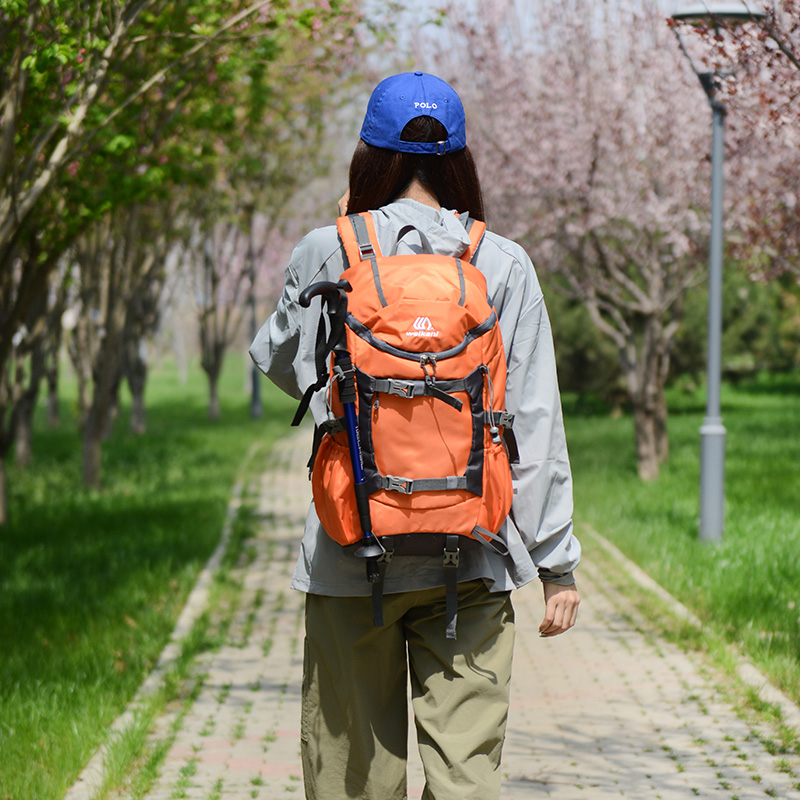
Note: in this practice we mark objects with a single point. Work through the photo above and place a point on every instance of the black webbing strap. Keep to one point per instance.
(331, 427)
(512, 448)
(506, 421)
(431, 390)
(320, 356)
(416, 388)
(450, 561)
(322, 349)
(376, 575)
(314, 448)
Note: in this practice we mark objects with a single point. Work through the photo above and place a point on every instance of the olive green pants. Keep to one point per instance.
(354, 727)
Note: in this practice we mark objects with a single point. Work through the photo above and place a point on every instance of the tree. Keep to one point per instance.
(253, 192)
(93, 91)
(587, 124)
(217, 257)
(115, 265)
(762, 94)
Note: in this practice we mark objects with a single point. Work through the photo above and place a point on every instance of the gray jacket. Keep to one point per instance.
(538, 531)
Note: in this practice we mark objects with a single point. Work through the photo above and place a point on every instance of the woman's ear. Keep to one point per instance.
(342, 204)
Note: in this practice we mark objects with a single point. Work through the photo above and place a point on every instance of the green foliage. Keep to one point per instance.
(588, 363)
(92, 582)
(220, 87)
(761, 332)
(746, 588)
(761, 327)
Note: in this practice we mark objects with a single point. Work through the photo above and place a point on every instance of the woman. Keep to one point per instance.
(412, 168)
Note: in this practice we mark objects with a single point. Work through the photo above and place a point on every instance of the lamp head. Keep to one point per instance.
(734, 12)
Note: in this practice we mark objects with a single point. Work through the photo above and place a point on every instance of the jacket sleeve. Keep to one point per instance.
(283, 348)
(542, 506)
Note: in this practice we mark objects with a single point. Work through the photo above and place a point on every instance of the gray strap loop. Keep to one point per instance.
(495, 543)
(426, 243)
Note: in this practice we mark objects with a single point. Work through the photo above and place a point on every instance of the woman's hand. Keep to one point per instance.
(561, 608)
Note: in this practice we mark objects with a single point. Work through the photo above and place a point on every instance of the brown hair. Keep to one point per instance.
(379, 176)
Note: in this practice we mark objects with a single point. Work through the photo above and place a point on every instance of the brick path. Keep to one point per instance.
(602, 712)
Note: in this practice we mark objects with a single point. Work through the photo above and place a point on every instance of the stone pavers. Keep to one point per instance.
(605, 711)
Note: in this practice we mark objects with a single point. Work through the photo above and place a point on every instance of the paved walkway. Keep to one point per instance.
(602, 712)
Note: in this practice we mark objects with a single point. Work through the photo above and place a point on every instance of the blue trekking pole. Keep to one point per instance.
(334, 295)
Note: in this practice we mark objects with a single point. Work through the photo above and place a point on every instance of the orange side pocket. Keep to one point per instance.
(497, 488)
(332, 488)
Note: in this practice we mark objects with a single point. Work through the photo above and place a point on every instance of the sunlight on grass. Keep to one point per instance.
(748, 585)
(92, 582)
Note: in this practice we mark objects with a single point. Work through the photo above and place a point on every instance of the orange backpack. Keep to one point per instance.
(430, 374)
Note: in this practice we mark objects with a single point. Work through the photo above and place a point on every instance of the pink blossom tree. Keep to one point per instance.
(596, 142)
(762, 94)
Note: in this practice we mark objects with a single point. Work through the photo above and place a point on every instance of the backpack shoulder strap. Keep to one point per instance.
(359, 239)
(475, 229)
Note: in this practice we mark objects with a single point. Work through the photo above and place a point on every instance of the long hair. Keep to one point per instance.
(379, 176)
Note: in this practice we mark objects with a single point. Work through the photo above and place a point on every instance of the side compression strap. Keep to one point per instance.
(410, 389)
(501, 418)
(393, 483)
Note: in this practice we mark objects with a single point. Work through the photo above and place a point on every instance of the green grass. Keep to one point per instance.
(747, 587)
(91, 583)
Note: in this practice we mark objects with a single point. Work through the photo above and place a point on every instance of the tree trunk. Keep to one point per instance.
(112, 410)
(644, 422)
(23, 435)
(99, 418)
(213, 395)
(53, 405)
(136, 373)
(645, 372)
(26, 406)
(83, 397)
(662, 437)
(51, 374)
(92, 451)
(3, 491)
(5, 443)
(138, 411)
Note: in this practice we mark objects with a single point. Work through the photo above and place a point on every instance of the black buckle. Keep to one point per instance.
(451, 556)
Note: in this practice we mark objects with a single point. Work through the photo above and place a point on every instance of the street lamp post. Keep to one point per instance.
(712, 431)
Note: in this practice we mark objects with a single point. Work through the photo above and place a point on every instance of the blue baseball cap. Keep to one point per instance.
(399, 99)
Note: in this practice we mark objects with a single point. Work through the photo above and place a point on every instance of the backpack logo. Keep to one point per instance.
(422, 327)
